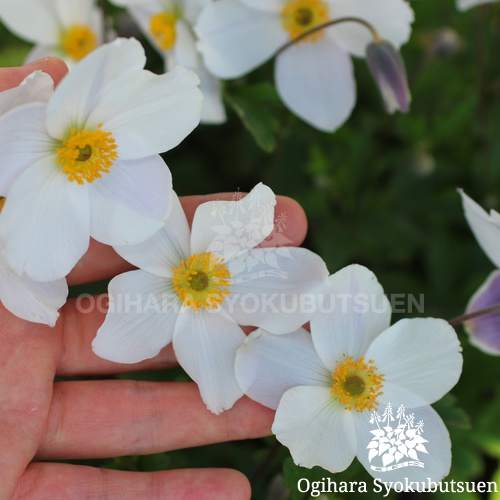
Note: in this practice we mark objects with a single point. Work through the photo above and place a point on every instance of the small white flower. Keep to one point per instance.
(28, 299)
(86, 163)
(168, 24)
(314, 77)
(326, 384)
(468, 4)
(69, 29)
(192, 290)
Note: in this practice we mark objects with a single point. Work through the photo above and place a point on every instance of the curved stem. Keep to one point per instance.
(375, 34)
(475, 314)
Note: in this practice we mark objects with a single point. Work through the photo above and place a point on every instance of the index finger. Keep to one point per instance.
(12, 77)
(101, 261)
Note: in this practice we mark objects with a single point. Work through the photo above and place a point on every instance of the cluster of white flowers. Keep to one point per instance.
(83, 161)
(230, 38)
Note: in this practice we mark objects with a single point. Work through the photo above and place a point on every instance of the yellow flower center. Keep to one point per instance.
(201, 282)
(357, 385)
(79, 41)
(2, 203)
(85, 155)
(162, 29)
(300, 16)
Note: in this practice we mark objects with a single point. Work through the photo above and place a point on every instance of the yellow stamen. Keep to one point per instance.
(79, 41)
(201, 281)
(86, 155)
(162, 29)
(2, 203)
(300, 16)
(357, 385)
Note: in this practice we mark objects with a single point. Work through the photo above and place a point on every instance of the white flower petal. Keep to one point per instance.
(205, 345)
(213, 106)
(193, 8)
(31, 300)
(185, 46)
(73, 12)
(437, 460)
(267, 365)
(315, 429)
(131, 202)
(81, 91)
(420, 359)
(269, 5)
(150, 5)
(354, 311)
(41, 51)
(278, 293)
(139, 322)
(234, 39)
(45, 223)
(163, 252)
(485, 228)
(149, 113)
(37, 87)
(36, 22)
(23, 141)
(141, 12)
(316, 81)
(391, 18)
(228, 228)
(467, 4)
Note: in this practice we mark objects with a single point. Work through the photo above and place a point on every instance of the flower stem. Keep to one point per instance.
(375, 34)
(475, 314)
(266, 464)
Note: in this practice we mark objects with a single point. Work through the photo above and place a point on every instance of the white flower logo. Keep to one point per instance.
(392, 444)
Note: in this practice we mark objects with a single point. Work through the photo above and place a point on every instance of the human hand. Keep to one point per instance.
(43, 420)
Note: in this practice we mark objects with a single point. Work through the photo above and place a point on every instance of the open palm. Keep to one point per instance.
(42, 420)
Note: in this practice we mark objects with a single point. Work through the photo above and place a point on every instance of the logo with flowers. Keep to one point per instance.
(237, 228)
(393, 443)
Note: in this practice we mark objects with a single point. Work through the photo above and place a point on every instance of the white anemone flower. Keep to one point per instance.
(168, 25)
(69, 29)
(328, 385)
(195, 288)
(314, 77)
(86, 163)
(463, 5)
(22, 296)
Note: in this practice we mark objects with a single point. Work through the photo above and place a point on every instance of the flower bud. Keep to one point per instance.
(388, 70)
(484, 331)
(446, 42)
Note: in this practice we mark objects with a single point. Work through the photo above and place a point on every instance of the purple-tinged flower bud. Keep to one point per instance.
(484, 330)
(388, 70)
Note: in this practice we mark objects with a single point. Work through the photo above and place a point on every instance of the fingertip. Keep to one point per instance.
(290, 216)
(12, 77)
(53, 66)
(236, 485)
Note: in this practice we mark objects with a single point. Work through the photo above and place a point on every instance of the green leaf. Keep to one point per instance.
(452, 415)
(256, 105)
(496, 478)
(487, 432)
